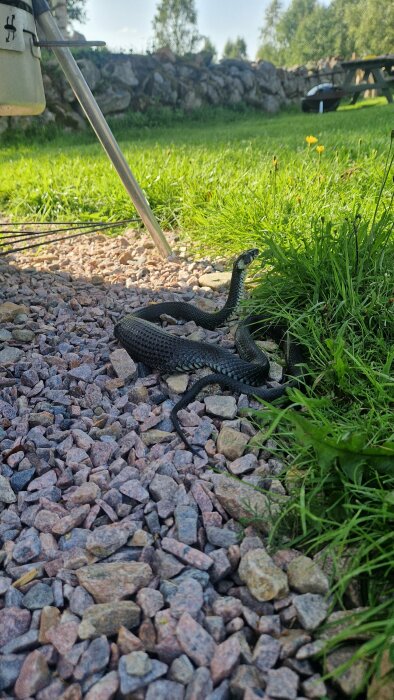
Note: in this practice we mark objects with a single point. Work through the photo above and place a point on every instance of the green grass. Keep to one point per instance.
(230, 180)
(334, 290)
(210, 175)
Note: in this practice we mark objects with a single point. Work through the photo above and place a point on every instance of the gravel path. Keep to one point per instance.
(124, 571)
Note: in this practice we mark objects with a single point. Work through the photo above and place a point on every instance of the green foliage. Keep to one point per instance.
(333, 288)
(208, 47)
(373, 33)
(235, 49)
(175, 26)
(76, 9)
(311, 29)
(348, 451)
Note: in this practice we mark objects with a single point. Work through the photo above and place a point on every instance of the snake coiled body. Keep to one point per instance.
(146, 342)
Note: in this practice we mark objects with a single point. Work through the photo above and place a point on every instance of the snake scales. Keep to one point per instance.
(145, 342)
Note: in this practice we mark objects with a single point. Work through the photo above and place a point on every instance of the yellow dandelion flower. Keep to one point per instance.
(311, 140)
(320, 150)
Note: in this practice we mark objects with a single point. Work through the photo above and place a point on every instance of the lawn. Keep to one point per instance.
(323, 218)
(212, 177)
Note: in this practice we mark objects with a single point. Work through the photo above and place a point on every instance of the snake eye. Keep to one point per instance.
(246, 258)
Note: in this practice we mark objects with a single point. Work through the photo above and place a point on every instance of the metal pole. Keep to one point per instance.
(96, 118)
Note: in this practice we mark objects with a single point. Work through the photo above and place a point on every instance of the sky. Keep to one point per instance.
(127, 24)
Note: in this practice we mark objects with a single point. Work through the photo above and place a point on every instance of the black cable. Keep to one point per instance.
(102, 226)
(7, 233)
(55, 223)
(36, 245)
(27, 237)
(45, 235)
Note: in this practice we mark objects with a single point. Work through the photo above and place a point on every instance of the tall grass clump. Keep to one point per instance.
(334, 288)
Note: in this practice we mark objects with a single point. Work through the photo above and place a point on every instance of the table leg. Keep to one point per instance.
(381, 84)
(347, 86)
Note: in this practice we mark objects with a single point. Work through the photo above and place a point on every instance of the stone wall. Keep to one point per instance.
(122, 82)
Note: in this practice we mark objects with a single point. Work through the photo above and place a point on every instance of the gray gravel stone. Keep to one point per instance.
(200, 685)
(129, 682)
(106, 540)
(95, 658)
(24, 642)
(282, 683)
(186, 522)
(20, 479)
(10, 355)
(314, 687)
(305, 576)
(266, 652)
(222, 692)
(221, 406)
(188, 598)
(38, 596)
(312, 610)
(80, 600)
(6, 493)
(10, 666)
(77, 537)
(165, 690)
(27, 548)
(221, 536)
(181, 670)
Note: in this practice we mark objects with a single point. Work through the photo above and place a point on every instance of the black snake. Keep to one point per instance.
(147, 343)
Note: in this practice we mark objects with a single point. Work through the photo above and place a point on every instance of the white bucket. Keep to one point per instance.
(21, 87)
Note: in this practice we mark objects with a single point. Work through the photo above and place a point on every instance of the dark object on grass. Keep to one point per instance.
(322, 98)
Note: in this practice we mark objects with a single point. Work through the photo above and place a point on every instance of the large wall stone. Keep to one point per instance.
(121, 82)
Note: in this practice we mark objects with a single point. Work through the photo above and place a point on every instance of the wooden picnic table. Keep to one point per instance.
(381, 68)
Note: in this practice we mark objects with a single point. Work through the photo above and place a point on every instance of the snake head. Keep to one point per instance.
(245, 259)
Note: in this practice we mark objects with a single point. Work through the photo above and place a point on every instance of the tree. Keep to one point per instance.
(312, 29)
(269, 50)
(372, 28)
(175, 26)
(208, 47)
(235, 49)
(291, 22)
(66, 10)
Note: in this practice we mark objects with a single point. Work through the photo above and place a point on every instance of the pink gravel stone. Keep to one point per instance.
(85, 493)
(187, 554)
(105, 689)
(45, 520)
(165, 624)
(225, 659)
(227, 607)
(73, 692)
(34, 675)
(63, 636)
(202, 499)
(43, 482)
(76, 518)
(13, 623)
(150, 601)
(91, 517)
(211, 518)
(195, 641)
